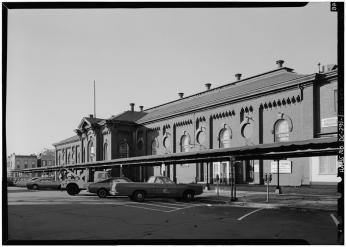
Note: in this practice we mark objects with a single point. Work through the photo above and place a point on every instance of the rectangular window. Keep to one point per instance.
(335, 100)
(328, 165)
(49, 162)
(33, 164)
(25, 165)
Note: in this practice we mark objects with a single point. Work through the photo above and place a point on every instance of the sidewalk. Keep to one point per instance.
(255, 196)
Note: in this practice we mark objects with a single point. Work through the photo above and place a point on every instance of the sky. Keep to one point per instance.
(144, 56)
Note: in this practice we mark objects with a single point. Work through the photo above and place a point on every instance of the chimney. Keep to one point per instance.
(280, 63)
(141, 108)
(181, 95)
(238, 76)
(91, 116)
(208, 85)
(132, 106)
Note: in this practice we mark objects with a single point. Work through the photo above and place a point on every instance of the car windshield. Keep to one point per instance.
(167, 180)
(163, 180)
(151, 180)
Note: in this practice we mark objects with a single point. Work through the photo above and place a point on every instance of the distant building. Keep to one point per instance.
(276, 106)
(46, 158)
(18, 162)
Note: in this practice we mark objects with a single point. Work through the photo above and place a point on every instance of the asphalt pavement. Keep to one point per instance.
(55, 216)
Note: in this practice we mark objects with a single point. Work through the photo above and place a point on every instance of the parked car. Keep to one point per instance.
(157, 186)
(21, 182)
(103, 187)
(10, 181)
(43, 183)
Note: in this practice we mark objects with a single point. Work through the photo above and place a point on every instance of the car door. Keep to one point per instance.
(43, 183)
(165, 187)
(171, 188)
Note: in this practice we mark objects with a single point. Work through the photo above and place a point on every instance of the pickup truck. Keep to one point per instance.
(156, 186)
(77, 183)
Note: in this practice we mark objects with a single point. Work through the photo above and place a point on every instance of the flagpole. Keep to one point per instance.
(94, 100)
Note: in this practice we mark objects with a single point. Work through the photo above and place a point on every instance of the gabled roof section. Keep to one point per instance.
(68, 140)
(88, 121)
(272, 80)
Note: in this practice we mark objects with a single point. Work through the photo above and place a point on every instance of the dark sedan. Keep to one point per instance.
(103, 187)
(43, 183)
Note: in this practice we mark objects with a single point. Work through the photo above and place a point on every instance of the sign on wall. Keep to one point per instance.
(329, 122)
(285, 166)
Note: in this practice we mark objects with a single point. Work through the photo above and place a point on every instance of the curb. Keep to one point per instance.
(223, 202)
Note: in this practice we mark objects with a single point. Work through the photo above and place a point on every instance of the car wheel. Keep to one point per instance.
(72, 189)
(102, 193)
(35, 187)
(188, 196)
(138, 196)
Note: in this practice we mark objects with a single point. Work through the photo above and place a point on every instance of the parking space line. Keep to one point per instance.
(151, 204)
(335, 219)
(184, 208)
(250, 213)
(167, 203)
(154, 209)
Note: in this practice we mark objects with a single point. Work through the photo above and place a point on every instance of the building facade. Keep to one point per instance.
(18, 162)
(275, 106)
(46, 158)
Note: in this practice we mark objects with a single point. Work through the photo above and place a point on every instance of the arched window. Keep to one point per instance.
(225, 138)
(59, 159)
(91, 151)
(201, 137)
(154, 147)
(105, 148)
(140, 145)
(247, 130)
(124, 150)
(282, 131)
(167, 142)
(68, 158)
(185, 145)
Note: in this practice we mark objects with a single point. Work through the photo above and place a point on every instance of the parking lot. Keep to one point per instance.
(54, 215)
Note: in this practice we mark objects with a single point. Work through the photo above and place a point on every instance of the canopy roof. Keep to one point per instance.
(272, 151)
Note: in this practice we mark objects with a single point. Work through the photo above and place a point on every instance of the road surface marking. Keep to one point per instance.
(250, 213)
(335, 219)
(174, 204)
(154, 209)
(184, 208)
(151, 204)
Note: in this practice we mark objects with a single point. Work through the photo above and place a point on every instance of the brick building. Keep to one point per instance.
(276, 106)
(46, 158)
(18, 162)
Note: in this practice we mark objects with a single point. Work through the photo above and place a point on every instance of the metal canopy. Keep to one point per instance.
(272, 151)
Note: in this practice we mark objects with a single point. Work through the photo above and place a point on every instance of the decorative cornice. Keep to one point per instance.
(280, 102)
(223, 114)
(183, 123)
